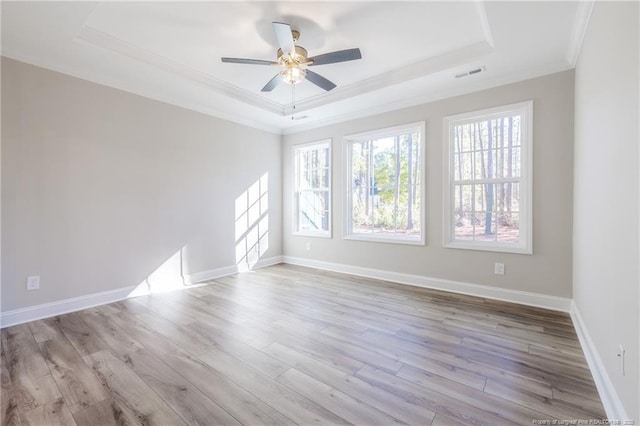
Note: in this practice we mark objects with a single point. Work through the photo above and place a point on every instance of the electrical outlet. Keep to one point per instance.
(33, 282)
(498, 269)
(308, 246)
(621, 353)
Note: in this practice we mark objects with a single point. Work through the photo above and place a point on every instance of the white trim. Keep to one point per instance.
(319, 144)
(555, 303)
(525, 246)
(46, 310)
(347, 143)
(580, 24)
(212, 274)
(610, 400)
(98, 38)
(59, 307)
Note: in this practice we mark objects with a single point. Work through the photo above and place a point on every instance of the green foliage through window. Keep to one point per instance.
(488, 191)
(386, 184)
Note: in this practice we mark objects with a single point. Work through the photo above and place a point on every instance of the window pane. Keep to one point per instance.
(312, 178)
(385, 186)
(487, 181)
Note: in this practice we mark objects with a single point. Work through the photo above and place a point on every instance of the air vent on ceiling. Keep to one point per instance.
(470, 72)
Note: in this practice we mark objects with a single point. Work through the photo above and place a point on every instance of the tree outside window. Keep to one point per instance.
(386, 170)
(488, 190)
(312, 170)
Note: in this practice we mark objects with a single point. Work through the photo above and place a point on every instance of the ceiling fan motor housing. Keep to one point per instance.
(299, 56)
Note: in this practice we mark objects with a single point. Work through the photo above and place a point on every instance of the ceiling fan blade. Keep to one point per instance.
(272, 83)
(248, 61)
(338, 56)
(320, 81)
(284, 36)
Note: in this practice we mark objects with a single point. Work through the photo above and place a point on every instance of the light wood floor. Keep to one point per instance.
(290, 345)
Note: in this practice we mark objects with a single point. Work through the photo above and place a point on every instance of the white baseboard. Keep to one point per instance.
(46, 310)
(610, 400)
(522, 297)
(212, 274)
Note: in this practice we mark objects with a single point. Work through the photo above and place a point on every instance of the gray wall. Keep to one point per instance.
(547, 271)
(101, 187)
(606, 219)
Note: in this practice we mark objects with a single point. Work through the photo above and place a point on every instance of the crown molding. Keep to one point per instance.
(152, 95)
(426, 98)
(107, 41)
(580, 24)
(455, 58)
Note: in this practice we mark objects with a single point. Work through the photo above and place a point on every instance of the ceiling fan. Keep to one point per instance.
(294, 61)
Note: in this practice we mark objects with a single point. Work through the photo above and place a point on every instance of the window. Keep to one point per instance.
(487, 193)
(385, 175)
(312, 180)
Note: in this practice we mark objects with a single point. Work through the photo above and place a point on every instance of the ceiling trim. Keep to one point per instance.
(104, 40)
(154, 96)
(486, 28)
(580, 24)
(471, 87)
(455, 58)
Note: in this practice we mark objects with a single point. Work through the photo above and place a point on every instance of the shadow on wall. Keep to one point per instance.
(251, 242)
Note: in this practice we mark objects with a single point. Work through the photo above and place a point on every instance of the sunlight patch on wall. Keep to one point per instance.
(167, 277)
(252, 224)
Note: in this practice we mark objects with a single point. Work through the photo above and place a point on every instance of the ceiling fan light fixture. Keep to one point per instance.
(293, 74)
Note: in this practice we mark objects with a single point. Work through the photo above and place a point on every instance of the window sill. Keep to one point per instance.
(500, 248)
(387, 240)
(323, 234)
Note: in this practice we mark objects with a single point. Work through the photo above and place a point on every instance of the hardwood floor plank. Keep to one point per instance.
(45, 329)
(428, 398)
(156, 306)
(77, 383)
(183, 397)
(240, 403)
(106, 413)
(298, 408)
(444, 369)
(303, 344)
(257, 359)
(118, 341)
(345, 406)
(10, 414)
(442, 420)
(179, 335)
(552, 407)
(133, 395)
(79, 334)
(377, 397)
(54, 413)
(504, 409)
(141, 333)
(31, 383)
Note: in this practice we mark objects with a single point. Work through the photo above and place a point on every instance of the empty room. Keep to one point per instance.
(320, 212)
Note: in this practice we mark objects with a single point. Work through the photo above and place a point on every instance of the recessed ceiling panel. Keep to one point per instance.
(196, 35)
(411, 50)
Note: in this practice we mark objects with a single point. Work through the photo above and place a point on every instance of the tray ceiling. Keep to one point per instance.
(411, 51)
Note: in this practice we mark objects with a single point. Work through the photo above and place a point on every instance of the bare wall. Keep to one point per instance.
(547, 271)
(606, 203)
(101, 187)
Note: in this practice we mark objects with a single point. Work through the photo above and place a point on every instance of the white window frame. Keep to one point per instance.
(525, 244)
(348, 142)
(296, 191)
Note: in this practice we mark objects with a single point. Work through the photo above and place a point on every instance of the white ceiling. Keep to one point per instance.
(411, 51)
